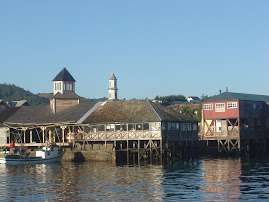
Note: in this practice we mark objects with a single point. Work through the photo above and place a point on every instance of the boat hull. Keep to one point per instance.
(32, 160)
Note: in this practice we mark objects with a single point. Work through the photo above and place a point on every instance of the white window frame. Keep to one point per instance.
(208, 106)
(231, 105)
(220, 107)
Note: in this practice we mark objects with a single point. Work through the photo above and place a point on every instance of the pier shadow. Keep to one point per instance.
(78, 157)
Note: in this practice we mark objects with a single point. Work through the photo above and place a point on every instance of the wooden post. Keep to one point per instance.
(138, 147)
(50, 135)
(24, 134)
(69, 135)
(127, 150)
(150, 149)
(63, 128)
(43, 128)
(31, 136)
(161, 150)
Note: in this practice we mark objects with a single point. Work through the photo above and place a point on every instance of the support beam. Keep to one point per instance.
(63, 128)
(31, 136)
(43, 128)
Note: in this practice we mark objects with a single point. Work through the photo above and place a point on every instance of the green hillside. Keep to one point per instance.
(189, 109)
(14, 93)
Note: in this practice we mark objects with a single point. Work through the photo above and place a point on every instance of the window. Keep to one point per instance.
(138, 126)
(177, 126)
(169, 126)
(195, 126)
(131, 127)
(57, 86)
(232, 105)
(101, 127)
(124, 127)
(220, 107)
(186, 126)
(118, 128)
(173, 126)
(208, 106)
(110, 127)
(145, 126)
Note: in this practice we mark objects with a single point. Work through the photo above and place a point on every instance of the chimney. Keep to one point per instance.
(219, 91)
(226, 89)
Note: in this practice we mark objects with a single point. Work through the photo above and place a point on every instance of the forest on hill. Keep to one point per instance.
(11, 92)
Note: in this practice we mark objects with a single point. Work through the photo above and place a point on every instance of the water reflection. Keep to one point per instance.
(86, 181)
(221, 179)
(197, 180)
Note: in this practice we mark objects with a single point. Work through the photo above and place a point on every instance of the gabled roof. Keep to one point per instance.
(19, 103)
(112, 77)
(64, 75)
(194, 97)
(42, 114)
(229, 96)
(134, 111)
(69, 95)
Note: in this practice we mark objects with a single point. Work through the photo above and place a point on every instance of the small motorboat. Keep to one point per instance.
(47, 154)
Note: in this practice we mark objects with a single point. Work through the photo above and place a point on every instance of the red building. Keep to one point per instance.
(236, 120)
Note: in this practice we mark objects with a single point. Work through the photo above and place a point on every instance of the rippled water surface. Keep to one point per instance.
(207, 179)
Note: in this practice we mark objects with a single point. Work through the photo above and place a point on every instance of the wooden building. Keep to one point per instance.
(140, 125)
(136, 125)
(236, 121)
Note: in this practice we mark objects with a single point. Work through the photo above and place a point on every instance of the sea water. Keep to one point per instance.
(204, 179)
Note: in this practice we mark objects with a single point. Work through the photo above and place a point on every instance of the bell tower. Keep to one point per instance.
(63, 83)
(64, 95)
(112, 90)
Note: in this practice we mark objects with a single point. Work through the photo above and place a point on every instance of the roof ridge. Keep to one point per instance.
(154, 109)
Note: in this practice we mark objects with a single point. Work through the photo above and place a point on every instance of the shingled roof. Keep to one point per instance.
(64, 75)
(69, 95)
(229, 96)
(44, 115)
(5, 114)
(134, 111)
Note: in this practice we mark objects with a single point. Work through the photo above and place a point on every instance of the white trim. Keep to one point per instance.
(233, 105)
(85, 116)
(220, 107)
(208, 106)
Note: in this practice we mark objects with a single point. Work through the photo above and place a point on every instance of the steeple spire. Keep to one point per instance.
(113, 90)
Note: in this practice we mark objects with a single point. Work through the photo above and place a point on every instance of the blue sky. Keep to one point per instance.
(153, 47)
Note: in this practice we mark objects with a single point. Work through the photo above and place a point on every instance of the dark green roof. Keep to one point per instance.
(64, 75)
(229, 96)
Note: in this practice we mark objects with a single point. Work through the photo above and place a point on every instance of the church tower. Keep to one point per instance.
(113, 90)
(64, 95)
(63, 82)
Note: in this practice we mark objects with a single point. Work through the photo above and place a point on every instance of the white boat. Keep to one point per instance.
(47, 154)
